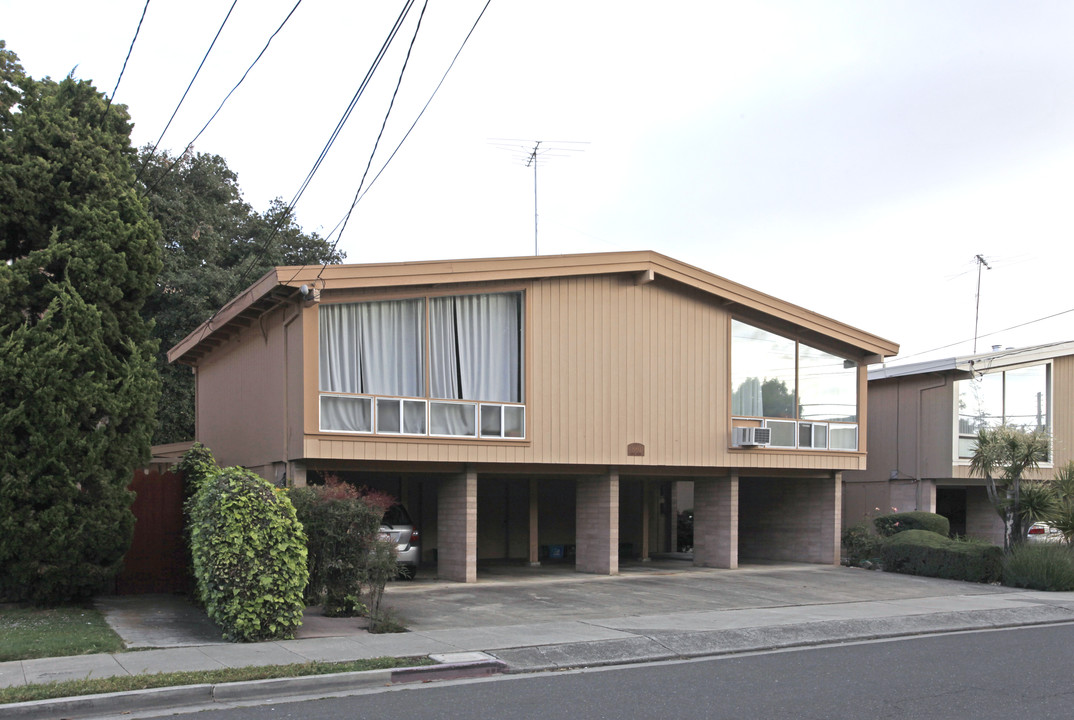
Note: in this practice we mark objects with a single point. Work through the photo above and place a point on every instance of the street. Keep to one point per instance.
(1023, 672)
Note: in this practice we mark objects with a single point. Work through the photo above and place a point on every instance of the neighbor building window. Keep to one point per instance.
(384, 364)
(1017, 398)
(808, 397)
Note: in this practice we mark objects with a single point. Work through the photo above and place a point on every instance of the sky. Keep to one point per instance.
(851, 158)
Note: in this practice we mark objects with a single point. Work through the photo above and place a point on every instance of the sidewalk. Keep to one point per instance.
(518, 620)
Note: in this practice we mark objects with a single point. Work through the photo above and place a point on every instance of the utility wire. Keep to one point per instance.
(153, 151)
(190, 144)
(412, 125)
(996, 332)
(383, 124)
(332, 138)
(354, 100)
(427, 102)
(129, 51)
(256, 260)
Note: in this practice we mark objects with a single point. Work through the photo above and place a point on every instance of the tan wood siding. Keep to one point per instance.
(608, 362)
(242, 396)
(1063, 409)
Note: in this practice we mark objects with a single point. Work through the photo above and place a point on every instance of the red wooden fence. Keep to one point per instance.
(157, 561)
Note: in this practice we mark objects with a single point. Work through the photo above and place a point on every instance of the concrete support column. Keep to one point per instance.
(457, 528)
(296, 474)
(831, 520)
(926, 495)
(597, 525)
(716, 522)
(535, 558)
(646, 513)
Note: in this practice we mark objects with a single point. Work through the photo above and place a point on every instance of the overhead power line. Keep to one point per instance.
(255, 261)
(190, 144)
(129, 51)
(186, 92)
(996, 332)
(383, 124)
(413, 124)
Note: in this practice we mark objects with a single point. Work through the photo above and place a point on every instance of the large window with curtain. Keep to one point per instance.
(445, 366)
(807, 397)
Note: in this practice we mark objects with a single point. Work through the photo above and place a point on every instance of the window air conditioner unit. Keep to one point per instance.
(755, 436)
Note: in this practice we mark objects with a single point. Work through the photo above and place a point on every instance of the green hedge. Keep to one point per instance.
(888, 525)
(249, 554)
(920, 552)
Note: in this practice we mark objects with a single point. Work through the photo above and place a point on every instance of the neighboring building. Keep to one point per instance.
(545, 402)
(922, 422)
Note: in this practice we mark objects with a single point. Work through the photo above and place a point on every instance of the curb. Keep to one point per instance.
(657, 646)
(249, 690)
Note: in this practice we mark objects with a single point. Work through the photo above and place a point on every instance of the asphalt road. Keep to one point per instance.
(1023, 672)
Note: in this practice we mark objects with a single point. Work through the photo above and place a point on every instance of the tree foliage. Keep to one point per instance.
(1002, 456)
(78, 390)
(214, 245)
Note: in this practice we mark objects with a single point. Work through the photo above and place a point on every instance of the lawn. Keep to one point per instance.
(54, 632)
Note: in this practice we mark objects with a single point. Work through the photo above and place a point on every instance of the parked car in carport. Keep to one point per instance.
(399, 528)
(1042, 532)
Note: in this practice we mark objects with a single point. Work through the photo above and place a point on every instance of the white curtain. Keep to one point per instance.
(339, 357)
(375, 348)
(392, 340)
(475, 353)
(443, 353)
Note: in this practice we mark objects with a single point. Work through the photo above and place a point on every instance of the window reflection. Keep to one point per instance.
(773, 377)
(762, 372)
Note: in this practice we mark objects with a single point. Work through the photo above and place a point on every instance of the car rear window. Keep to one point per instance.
(396, 515)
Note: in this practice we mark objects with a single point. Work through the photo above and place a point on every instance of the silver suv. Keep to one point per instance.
(399, 528)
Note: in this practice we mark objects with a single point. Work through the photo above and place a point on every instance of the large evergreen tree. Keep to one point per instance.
(78, 388)
(214, 246)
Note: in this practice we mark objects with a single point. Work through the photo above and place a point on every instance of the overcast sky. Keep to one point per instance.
(849, 157)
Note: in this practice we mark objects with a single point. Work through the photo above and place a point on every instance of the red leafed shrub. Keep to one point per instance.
(347, 557)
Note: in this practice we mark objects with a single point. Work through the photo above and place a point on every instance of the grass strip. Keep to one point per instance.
(126, 683)
(54, 632)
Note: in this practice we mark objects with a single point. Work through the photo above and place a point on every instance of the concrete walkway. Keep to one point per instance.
(520, 619)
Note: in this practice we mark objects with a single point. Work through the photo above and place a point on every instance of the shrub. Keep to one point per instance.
(862, 544)
(249, 555)
(1040, 566)
(196, 466)
(345, 557)
(888, 525)
(921, 552)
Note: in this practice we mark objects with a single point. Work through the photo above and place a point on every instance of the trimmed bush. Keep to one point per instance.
(920, 552)
(1040, 566)
(888, 525)
(249, 554)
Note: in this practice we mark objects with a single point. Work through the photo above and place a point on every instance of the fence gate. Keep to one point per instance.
(156, 561)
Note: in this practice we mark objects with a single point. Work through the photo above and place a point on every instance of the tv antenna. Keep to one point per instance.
(530, 153)
(980, 260)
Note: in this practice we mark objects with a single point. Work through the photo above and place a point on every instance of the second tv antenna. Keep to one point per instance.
(530, 153)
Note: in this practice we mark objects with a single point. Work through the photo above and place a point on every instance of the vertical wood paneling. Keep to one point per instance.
(609, 363)
(1063, 410)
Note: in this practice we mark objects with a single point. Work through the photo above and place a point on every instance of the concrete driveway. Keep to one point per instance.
(516, 595)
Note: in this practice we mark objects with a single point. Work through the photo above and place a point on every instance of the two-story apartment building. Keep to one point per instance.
(520, 403)
(923, 418)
